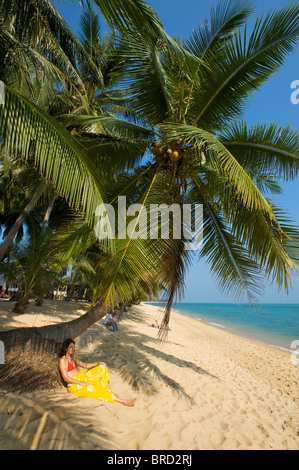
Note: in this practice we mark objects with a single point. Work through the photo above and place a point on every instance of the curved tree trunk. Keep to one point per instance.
(70, 291)
(121, 311)
(21, 306)
(73, 328)
(59, 331)
(18, 223)
(48, 213)
(31, 354)
(4, 286)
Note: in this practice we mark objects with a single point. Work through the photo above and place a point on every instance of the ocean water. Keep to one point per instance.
(274, 324)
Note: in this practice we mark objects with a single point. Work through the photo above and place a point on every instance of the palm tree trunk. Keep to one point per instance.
(31, 360)
(70, 291)
(18, 223)
(58, 332)
(61, 331)
(48, 213)
(4, 285)
(21, 306)
(121, 311)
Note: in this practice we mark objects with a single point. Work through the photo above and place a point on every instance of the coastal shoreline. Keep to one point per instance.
(202, 389)
(267, 338)
(242, 334)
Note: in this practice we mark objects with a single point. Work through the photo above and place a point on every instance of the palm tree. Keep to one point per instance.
(24, 194)
(82, 189)
(31, 265)
(204, 155)
(19, 221)
(187, 106)
(80, 266)
(207, 157)
(38, 43)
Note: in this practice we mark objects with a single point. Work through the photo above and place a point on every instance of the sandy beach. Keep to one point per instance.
(202, 389)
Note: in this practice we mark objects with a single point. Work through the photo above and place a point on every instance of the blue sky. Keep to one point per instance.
(271, 103)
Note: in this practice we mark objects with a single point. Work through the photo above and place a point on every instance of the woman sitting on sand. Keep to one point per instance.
(92, 383)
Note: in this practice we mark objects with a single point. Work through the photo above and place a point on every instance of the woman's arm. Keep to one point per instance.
(66, 377)
(88, 365)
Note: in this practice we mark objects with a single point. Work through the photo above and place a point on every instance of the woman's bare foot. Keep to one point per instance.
(130, 402)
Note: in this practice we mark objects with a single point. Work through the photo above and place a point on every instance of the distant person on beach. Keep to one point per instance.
(110, 320)
(156, 325)
(92, 383)
(165, 328)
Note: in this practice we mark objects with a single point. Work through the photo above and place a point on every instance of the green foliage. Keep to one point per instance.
(31, 264)
(140, 114)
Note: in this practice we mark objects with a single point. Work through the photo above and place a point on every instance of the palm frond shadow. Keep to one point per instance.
(130, 355)
(46, 425)
(46, 420)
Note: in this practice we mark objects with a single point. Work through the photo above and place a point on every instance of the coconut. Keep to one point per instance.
(175, 156)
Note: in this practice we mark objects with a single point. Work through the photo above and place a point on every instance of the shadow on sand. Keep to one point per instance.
(133, 355)
(53, 420)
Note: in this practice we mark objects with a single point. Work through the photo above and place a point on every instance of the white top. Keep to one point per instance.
(108, 318)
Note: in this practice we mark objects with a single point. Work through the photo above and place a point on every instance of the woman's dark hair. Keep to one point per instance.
(65, 345)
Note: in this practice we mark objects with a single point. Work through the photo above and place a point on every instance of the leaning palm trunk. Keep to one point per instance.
(73, 328)
(31, 354)
(48, 213)
(18, 223)
(4, 285)
(70, 291)
(121, 311)
(21, 306)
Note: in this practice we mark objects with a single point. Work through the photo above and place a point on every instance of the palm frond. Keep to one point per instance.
(236, 273)
(114, 126)
(40, 21)
(242, 66)
(90, 32)
(146, 79)
(218, 155)
(224, 19)
(72, 238)
(131, 16)
(268, 241)
(132, 260)
(26, 129)
(112, 154)
(263, 148)
(23, 62)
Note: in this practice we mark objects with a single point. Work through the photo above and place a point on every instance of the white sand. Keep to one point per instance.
(202, 389)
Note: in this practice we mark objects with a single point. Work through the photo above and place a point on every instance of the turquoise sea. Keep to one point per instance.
(275, 324)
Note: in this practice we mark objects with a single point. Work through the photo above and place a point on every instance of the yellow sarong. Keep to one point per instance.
(98, 377)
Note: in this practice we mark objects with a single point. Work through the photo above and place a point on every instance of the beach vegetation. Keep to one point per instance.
(32, 266)
(159, 120)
